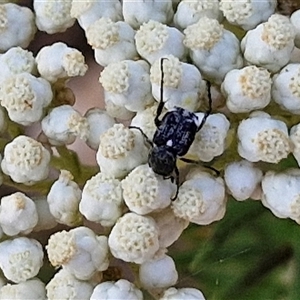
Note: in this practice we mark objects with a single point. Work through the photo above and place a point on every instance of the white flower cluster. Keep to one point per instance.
(124, 211)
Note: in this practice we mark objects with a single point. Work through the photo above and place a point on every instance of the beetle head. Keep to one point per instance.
(162, 160)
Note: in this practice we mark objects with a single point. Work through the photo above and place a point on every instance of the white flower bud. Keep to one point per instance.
(63, 124)
(53, 16)
(25, 97)
(111, 41)
(145, 120)
(127, 83)
(16, 60)
(295, 139)
(121, 149)
(182, 294)
(201, 198)
(210, 141)
(242, 179)
(281, 193)
(121, 289)
(63, 199)
(134, 238)
(170, 226)
(150, 278)
(144, 191)
(25, 160)
(18, 214)
(183, 85)
(99, 121)
(247, 14)
(66, 285)
(20, 258)
(60, 61)
(102, 200)
(117, 111)
(70, 249)
(286, 88)
(207, 41)
(190, 12)
(295, 20)
(30, 289)
(270, 44)
(247, 89)
(89, 11)
(263, 138)
(154, 40)
(45, 219)
(138, 12)
(17, 26)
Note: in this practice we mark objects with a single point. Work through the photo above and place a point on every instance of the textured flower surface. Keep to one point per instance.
(129, 210)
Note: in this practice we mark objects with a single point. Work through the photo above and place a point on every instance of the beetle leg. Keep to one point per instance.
(208, 112)
(177, 182)
(191, 161)
(161, 102)
(143, 133)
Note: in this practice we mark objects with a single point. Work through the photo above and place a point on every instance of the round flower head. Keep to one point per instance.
(210, 141)
(121, 289)
(295, 20)
(25, 160)
(17, 26)
(263, 138)
(170, 226)
(286, 88)
(242, 179)
(182, 86)
(145, 120)
(207, 41)
(80, 251)
(18, 214)
(25, 97)
(121, 149)
(190, 12)
(20, 258)
(53, 16)
(154, 40)
(89, 11)
(248, 13)
(281, 193)
(29, 289)
(102, 200)
(138, 12)
(45, 219)
(201, 199)
(134, 238)
(66, 284)
(63, 200)
(99, 121)
(270, 44)
(247, 89)
(182, 294)
(16, 60)
(144, 191)
(111, 41)
(63, 124)
(127, 83)
(60, 61)
(151, 279)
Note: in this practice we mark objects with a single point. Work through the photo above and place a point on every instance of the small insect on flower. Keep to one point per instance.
(173, 137)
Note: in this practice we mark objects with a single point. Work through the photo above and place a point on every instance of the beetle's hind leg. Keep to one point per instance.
(191, 161)
(208, 112)
(143, 133)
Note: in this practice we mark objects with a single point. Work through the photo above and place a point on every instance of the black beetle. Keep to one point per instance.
(173, 137)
